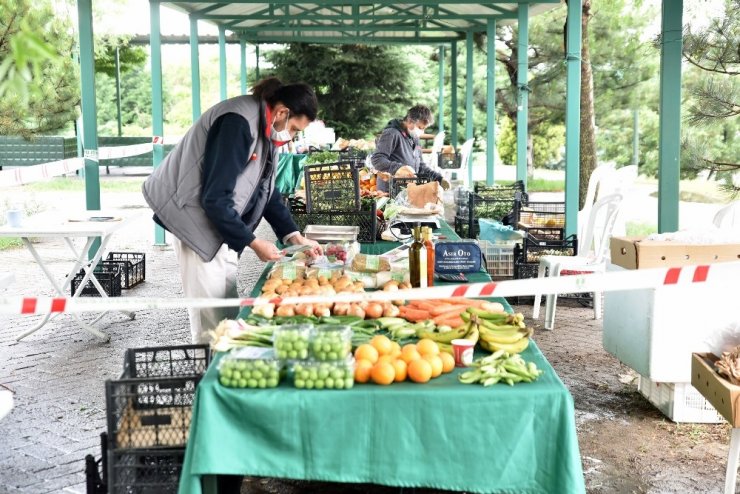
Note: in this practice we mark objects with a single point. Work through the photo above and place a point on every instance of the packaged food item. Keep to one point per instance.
(366, 263)
(249, 367)
(291, 341)
(341, 252)
(290, 270)
(338, 374)
(331, 342)
(329, 273)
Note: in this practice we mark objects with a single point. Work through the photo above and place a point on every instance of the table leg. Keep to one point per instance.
(732, 458)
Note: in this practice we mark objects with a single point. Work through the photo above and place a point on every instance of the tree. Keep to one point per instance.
(359, 87)
(129, 57)
(51, 102)
(711, 140)
(588, 112)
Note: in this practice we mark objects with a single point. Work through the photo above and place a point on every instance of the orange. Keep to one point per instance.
(420, 371)
(409, 353)
(382, 344)
(436, 363)
(426, 346)
(383, 373)
(396, 349)
(362, 370)
(366, 352)
(448, 362)
(389, 359)
(401, 370)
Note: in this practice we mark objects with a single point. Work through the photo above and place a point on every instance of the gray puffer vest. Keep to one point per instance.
(173, 189)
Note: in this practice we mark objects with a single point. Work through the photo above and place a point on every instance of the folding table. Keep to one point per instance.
(69, 225)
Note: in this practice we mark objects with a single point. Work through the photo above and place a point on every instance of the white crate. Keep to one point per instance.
(680, 402)
(499, 258)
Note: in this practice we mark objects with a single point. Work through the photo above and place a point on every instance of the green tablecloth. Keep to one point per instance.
(443, 434)
(289, 172)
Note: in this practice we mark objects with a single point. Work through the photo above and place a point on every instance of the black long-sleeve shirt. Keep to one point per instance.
(226, 156)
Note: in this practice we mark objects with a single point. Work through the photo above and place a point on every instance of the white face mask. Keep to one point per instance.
(417, 132)
(282, 135)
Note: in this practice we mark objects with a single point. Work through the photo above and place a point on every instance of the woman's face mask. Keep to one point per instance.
(417, 132)
(281, 136)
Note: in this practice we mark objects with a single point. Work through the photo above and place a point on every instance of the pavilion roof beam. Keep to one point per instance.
(345, 27)
(443, 15)
(350, 39)
(382, 3)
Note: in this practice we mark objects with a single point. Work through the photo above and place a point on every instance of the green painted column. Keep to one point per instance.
(441, 103)
(89, 111)
(157, 106)
(222, 60)
(522, 106)
(669, 146)
(490, 99)
(194, 68)
(118, 91)
(243, 58)
(572, 116)
(469, 77)
(453, 94)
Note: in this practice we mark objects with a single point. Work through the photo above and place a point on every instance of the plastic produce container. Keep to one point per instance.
(311, 374)
(331, 342)
(249, 368)
(291, 341)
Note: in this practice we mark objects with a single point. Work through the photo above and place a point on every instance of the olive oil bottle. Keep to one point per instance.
(418, 260)
(429, 246)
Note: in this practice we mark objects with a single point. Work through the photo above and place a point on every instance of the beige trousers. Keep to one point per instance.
(200, 279)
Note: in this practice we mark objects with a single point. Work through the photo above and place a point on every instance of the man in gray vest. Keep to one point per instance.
(216, 185)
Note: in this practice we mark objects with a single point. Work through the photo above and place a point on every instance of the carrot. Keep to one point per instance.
(453, 322)
(421, 304)
(447, 315)
(443, 309)
(414, 315)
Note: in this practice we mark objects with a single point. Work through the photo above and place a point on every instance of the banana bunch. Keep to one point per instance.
(501, 366)
(500, 330)
(470, 332)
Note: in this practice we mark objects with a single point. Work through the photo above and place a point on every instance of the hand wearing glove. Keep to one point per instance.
(445, 184)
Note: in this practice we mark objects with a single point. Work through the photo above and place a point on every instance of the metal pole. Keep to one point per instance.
(469, 76)
(669, 147)
(222, 59)
(490, 99)
(257, 61)
(522, 108)
(572, 116)
(157, 107)
(118, 90)
(441, 104)
(89, 111)
(243, 57)
(453, 94)
(194, 68)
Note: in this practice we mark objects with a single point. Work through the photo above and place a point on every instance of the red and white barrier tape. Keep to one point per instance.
(115, 152)
(715, 276)
(27, 174)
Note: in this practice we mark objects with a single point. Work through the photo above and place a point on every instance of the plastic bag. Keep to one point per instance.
(725, 340)
(495, 231)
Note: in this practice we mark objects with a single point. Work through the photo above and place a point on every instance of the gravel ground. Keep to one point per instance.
(57, 375)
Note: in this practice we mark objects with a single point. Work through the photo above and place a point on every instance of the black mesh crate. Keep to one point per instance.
(398, 184)
(523, 270)
(133, 267)
(151, 405)
(146, 471)
(367, 219)
(449, 161)
(332, 187)
(462, 226)
(531, 249)
(493, 207)
(108, 275)
(541, 220)
(498, 190)
(354, 156)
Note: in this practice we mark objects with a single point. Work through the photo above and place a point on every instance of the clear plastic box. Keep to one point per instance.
(291, 341)
(249, 368)
(331, 342)
(312, 374)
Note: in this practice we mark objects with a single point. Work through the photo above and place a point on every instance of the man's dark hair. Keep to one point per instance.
(419, 113)
(299, 98)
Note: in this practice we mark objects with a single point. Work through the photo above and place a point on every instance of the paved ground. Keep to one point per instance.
(57, 375)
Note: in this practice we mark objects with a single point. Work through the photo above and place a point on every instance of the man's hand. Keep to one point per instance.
(405, 172)
(266, 251)
(445, 184)
(299, 239)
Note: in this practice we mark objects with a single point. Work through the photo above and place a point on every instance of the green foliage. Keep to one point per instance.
(40, 84)
(548, 139)
(359, 87)
(129, 57)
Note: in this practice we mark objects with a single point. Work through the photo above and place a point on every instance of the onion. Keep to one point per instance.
(340, 309)
(285, 311)
(304, 310)
(356, 310)
(391, 286)
(391, 311)
(374, 311)
(321, 311)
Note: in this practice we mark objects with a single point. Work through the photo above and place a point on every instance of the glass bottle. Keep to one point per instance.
(429, 245)
(418, 260)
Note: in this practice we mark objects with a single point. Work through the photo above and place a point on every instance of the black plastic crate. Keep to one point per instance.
(332, 187)
(498, 190)
(355, 156)
(523, 270)
(399, 184)
(133, 267)
(108, 275)
(96, 471)
(151, 405)
(531, 249)
(155, 471)
(541, 220)
(493, 207)
(462, 226)
(449, 161)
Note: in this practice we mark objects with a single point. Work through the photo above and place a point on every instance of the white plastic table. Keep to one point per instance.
(6, 279)
(6, 401)
(69, 225)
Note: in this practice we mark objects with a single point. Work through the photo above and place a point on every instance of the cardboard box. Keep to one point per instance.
(718, 391)
(636, 253)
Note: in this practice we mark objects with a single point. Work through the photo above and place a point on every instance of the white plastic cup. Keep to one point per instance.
(14, 218)
(463, 352)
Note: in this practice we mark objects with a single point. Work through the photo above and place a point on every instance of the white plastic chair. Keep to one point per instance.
(599, 174)
(592, 253)
(728, 216)
(437, 144)
(466, 150)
